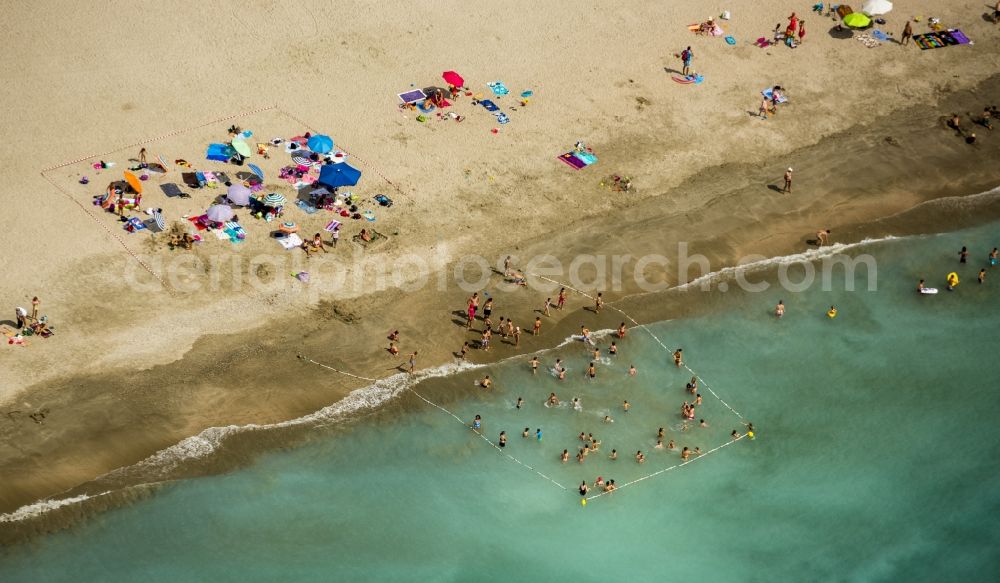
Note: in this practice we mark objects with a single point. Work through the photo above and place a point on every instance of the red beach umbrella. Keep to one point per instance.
(453, 78)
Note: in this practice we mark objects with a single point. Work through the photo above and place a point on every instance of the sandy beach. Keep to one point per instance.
(136, 367)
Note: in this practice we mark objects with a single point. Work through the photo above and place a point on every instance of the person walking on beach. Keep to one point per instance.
(517, 336)
(537, 327)
(548, 304)
(534, 364)
(561, 300)
(335, 236)
(465, 351)
(413, 362)
(907, 33)
(686, 56)
(598, 303)
(788, 181)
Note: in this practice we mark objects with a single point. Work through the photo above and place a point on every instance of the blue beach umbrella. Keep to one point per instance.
(256, 170)
(320, 144)
(337, 175)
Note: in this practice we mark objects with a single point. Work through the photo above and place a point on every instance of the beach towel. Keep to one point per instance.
(688, 80)
(383, 200)
(730, 40)
(572, 161)
(502, 118)
(412, 96)
(234, 232)
(133, 225)
(498, 88)
(880, 36)
(959, 36)
(290, 242)
(219, 152)
(717, 31)
(200, 223)
(941, 39)
(331, 226)
(489, 105)
(768, 92)
(586, 157)
(306, 207)
(369, 215)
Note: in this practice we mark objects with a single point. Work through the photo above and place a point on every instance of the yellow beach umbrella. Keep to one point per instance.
(857, 20)
(133, 181)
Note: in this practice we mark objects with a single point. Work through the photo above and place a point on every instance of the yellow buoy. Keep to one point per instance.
(832, 313)
(583, 501)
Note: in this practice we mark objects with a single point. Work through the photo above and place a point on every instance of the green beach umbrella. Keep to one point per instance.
(273, 200)
(242, 147)
(857, 20)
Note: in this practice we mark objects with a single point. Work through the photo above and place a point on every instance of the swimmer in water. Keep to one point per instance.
(697, 399)
(565, 456)
(558, 365)
(702, 423)
(579, 456)
(577, 405)
(631, 370)
(621, 330)
(502, 442)
(613, 349)
(520, 402)
(526, 432)
(626, 406)
(595, 444)
(692, 387)
(982, 275)
(591, 371)
(993, 257)
(920, 285)
(685, 454)
(660, 433)
(486, 382)
(678, 359)
(586, 450)
(779, 310)
(538, 434)
(596, 354)
(610, 486)
(735, 435)
(639, 457)
(599, 482)
(562, 374)
(614, 454)
(534, 364)
(552, 400)
(671, 446)
(659, 443)
(697, 451)
(583, 436)
(477, 422)
(583, 488)
(608, 419)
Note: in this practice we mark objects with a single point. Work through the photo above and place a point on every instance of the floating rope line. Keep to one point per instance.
(439, 407)
(665, 470)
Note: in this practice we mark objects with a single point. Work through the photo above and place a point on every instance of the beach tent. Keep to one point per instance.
(337, 175)
(220, 213)
(453, 78)
(857, 20)
(133, 181)
(320, 144)
(876, 7)
(238, 194)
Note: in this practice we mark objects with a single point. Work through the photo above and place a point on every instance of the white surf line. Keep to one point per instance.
(665, 470)
(456, 417)
(658, 341)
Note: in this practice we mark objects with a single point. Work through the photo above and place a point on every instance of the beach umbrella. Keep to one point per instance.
(273, 200)
(256, 170)
(288, 228)
(133, 181)
(159, 220)
(453, 78)
(241, 147)
(238, 194)
(876, 7)
(857, 20)
(337, 175)
(320, 144)
(219, 213)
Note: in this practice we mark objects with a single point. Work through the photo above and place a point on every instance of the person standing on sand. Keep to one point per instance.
(598, 303)
(538, 326)
(686, 56)
(413, 362)
(35, 302)
(22, 317)
(561, 301)
(788, 181)
(335, 236)
(802, 30)
(907, 33)
(548, 304)
(142, 157)
(517, 336)
(465, 350)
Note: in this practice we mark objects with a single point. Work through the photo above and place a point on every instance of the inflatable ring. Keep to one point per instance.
(832, 313)
(952, 279)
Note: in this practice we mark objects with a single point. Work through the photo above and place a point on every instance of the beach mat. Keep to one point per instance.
(306, 207)
(412, 96)
(498, 88)
(572, 161)
(688, 80)
(171, 190)
(290, 242)
(489, 105)
(586, 157)
(940, 39)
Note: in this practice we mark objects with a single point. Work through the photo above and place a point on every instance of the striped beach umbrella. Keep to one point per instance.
(163, 163)
(159, 220)
(256, 170)
(302, 160)
(273, 200)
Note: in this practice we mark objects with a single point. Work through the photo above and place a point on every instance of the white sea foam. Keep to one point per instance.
(42, 506)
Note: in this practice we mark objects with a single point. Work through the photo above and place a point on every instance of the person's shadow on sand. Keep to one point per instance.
(669, 70)
(775, 188)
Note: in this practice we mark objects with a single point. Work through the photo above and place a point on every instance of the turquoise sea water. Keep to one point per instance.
(875, 459)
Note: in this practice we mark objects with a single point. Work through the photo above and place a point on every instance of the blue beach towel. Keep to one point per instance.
(306, 207)
(730, 40)
(585, 157)
(489, 105)
(502, 118)
(498, 88)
